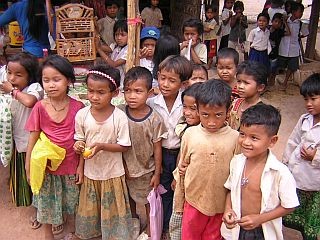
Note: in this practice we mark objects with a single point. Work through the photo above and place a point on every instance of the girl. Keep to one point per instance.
(251, 81)
(259, 41)
(238, 24)
(104, 202)
(22, 83)
(225, 26)
(119, 49)
(54, 116)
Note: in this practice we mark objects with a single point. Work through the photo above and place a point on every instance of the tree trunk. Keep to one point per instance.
(313, 28)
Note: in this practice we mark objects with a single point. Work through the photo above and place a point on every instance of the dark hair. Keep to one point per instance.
(109, 3)
(179, 65)
(114, 73)
(193, 23)
(295, 6)
(277, 16)
(277, 3)
(138, 73)
(213, 8)
(255, 69)
(214, 93)
(224, 3)
(191, 91)
(36, 17)
(30, 64)
(196, 67)
(287, 6)
(262, 114)
(228, 53)
(311, 86)
(166, 45)
(264, 14)
(238, 5)
(120, 25)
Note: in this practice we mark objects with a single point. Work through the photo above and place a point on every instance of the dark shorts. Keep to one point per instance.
(254, 234)
(292, 63)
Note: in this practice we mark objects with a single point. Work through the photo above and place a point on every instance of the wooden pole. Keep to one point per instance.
(313, 28)
(131, 34)
(138, 29)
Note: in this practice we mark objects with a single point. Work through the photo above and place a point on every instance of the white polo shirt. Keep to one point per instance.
(259, 39)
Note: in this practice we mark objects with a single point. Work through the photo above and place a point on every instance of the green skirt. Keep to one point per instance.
(306, 218)
(19, 187)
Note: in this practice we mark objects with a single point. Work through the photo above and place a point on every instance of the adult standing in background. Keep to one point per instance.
(31, 16)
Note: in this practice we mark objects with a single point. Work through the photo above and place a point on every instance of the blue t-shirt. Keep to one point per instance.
(18, 12)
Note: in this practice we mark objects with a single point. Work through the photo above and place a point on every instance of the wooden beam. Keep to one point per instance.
(313, 28)
(131, 34)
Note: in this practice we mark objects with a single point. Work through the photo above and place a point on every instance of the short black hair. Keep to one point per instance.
(191, 91)
(238, 5)
(264, 14)
(214, 93)
(138, 73)
(214, 8)
(114, 73)
(277, 16)
(311, 86)
(193, 23)
(264, 115)
(120, 25)
(179, 65)
(295, 6)
(255, 69)
(109, 3)
(197, 67)
(228, 53)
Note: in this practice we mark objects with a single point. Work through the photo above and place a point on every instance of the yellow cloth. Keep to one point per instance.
(43, 151)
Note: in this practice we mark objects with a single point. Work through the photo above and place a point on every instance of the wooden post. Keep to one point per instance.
(131, 34)
(313, 28)
(138, 29)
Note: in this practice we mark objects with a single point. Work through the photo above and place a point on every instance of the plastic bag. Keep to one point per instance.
(156, 212)
(43, 151)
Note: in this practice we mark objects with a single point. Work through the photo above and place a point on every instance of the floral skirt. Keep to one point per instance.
(104, 209)
(58, 195)
(306, 218)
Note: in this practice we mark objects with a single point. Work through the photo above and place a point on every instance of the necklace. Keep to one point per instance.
(245, 179)
(57, 110)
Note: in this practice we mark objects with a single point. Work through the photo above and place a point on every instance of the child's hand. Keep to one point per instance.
(95, 148)
(182, 166)
(155, 181)
(6, 86)
(250, 222)
(79, 146)
(27, 168)
(307, 153)
(230, 219)
(230, 14)
(144, 52)
(184, 44)
(79, 175)
(173, 184)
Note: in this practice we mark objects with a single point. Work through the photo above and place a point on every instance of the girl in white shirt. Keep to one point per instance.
(225, 26)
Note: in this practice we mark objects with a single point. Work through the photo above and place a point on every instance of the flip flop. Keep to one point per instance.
(57, 229)
(34, 224)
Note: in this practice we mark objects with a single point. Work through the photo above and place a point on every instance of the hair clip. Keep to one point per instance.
(103, 75)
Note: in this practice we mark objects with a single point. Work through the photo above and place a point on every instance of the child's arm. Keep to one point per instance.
(33, 138)
(194, 56)
(287, 31)
(244, 21)
(107, 59)
(233, 20)
(110, 147)
(229, 216)
(225, 19)
(79, 173)
(157, 154)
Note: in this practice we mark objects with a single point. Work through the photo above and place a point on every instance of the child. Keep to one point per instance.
(173, 71)
(276, 7)
(147, 129)
(210, 27)
(289, 49)
(104, 202)
(208, 166)
(261, 188)
(192, 30)
(277, 31)
(227, 62)
(259, 41)
(199, 74)
(55, 116)
(119, 53)
(106, 24)
(225, 26)
(302, 156)
(251, 82)
(152, 15)
(238, 24)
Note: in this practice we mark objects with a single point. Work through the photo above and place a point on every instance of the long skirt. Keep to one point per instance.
(306, 218)
(261, 57)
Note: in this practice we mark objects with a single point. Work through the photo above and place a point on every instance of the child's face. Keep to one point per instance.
(238, 10)
(226, 69)
(190, 111)
(99, 94)
(54, 83)
(197, 76)
(248, 87)
(136, 94)
(312, 104)
(150, 45)
(228, 4)
(112, 11)
(191, 33)
(254, 141)
(154, 3)
(169, 83)
(17, 75)
(210, 14)
(262, 22)
(212, 118)
(121, 38)
(276, 23)
(297, 14)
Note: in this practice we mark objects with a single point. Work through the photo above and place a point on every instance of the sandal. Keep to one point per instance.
(34, 224)
(165, 235)
(57, 229)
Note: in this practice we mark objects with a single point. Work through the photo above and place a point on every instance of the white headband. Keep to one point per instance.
(103, 75)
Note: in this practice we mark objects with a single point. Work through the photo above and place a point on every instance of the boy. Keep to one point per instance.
(261, 188)
(208, 149)
(105, 25)
(227, 62)
(289, 49)
(173, 71)
(152, 15)
(192, 30)
(146, 127)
